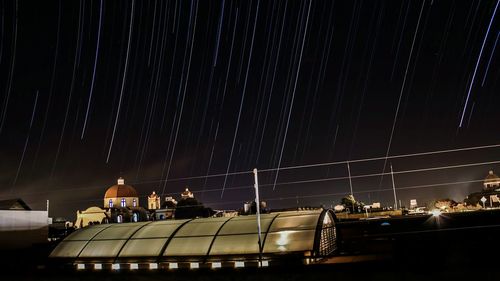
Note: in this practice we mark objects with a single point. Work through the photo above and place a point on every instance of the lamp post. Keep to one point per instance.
(394, 190)
(257, 204)
(350, 180)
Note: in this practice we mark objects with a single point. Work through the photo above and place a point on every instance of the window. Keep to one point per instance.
(135, 217)
(134, 203)
(123, 203)
(111, 203)
(119, 219)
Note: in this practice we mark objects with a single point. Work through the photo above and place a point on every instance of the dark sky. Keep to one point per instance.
(157, 90)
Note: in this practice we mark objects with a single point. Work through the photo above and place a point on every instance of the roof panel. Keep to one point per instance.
(246, 224)
(143, 247)
(68, 249)
(188, 246)
(289, 241)
(295, 222)
(235, 244)
(201, 227)
(119, 231)
(105, 248)
(87, 233)
(158, 229)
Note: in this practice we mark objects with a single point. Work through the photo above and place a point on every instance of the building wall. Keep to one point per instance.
(22, 228)
(117, 202)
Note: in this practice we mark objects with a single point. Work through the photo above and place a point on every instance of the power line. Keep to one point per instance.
(321, 165)
(303, 196)
(382, 158)
(307, 181)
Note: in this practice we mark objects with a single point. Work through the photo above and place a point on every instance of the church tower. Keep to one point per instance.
(153, 201)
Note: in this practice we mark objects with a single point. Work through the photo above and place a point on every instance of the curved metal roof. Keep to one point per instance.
(296, 232)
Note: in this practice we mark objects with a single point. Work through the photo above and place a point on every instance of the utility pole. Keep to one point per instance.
(350, 180)
(394, 190)
(257, 203)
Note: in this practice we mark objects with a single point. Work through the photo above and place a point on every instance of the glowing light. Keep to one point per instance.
(194, 265)
(264, 263)
(173, 265)
(216, 265)
(283, 240)
(436, 213)
(97, 266)
(239, 264)
(153, 266)
(115, 266)
(134, 266)
(327, 220)
(80, 266)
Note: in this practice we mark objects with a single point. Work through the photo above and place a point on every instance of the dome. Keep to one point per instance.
(491, 177)
(187, 194)
(491, 180)
(120, 190)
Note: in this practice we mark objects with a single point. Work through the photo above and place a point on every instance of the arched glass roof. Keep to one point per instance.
(198, 239)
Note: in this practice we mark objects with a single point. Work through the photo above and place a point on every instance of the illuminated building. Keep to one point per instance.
(491, 192)
(491, 182)
(187, 194)
(154, 201)
(120, 204)
(121, 195)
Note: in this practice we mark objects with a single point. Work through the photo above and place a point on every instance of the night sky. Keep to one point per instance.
(162, 91)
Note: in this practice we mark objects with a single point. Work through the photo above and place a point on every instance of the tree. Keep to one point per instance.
(350, 202)
(444, 204)
(190, 208)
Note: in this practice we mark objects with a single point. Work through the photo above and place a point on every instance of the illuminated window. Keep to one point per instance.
(80, 266)
(153, 266)
(134, 203)
(111, 203)
(119, 219)
(265, 263)
(115, 266)
(134, 266)
(239, 264)
(216, 265)
(135, 217)
(194, 265)
(173, 265)
(123, 203)
(97, 266)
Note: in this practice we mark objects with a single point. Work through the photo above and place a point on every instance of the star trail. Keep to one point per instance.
(198, 93)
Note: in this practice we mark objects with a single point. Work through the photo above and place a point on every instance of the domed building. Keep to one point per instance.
(121, 195)
(121, 204)
(491, 182)
(490, 192)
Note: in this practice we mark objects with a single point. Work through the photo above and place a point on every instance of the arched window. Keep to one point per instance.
(111, 203)
(123, 203)
(135, 217)
(134, 203)
(119, 219)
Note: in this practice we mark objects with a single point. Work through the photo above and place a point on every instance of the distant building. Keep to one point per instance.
(92, 215)
(491, 192)
(120, 204)
(187, 194)
(154, 201)
(250, 208)
(491, 181)
(21, 227)
(167, 209)
(121, 195)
